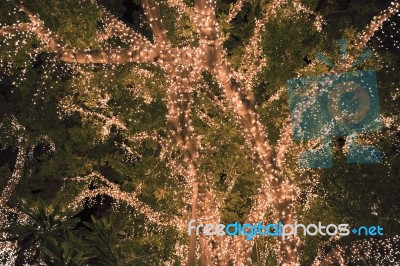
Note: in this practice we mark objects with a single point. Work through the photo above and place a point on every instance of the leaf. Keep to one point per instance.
(89, 225)
(65, 247)
(49, 253)
(177, 262)
(78, 259)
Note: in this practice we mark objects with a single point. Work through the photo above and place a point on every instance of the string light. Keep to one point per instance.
(183, 67)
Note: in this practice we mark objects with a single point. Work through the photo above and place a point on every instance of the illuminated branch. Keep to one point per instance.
(179, 104)
(209, 212)
(114, 27)
(112, 56)
(16, 28)
(108, 121)
(152, 12)
(140, 52)
(203, 202)
(8, 247)
(179, 119)
(183, 10)
(217, 102)
(43, 34)
(375, 24)
(274, 191)
(183, 67)
(207, 25)
(252, 60)
(167, 153)
(253, 130)
(113, 190)
(15, 177)
(206, 119)
(319, 20)
(142, 136)
(128, 55)
(284, 144)
(235, 10)
(214, 58)
(276, 96)
(360, 251)
(180, 5)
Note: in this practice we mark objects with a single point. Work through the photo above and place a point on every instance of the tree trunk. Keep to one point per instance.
(192, 242)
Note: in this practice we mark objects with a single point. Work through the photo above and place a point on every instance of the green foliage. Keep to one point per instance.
(76, 24)
(36, 87)
(104, 240)
(45, 235)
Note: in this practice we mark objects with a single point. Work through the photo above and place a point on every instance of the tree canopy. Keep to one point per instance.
(121, 120)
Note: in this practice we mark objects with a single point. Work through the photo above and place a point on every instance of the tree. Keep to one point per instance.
(189, 106)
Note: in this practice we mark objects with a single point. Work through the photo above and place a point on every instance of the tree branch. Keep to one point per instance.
(207, 91)
(15, 29)
(115, 27)
(235, 10)
(108, 120)
(207, 28)
(44, 34)
(251, 63)
(140, 52)
(360, 250)
(180, 5)
(152, 12)
(284, 144)
(15, 177)
(110, 56)
(179, 103)
(375, 24)
(143, 53)
(113, 190)
(319, 20)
